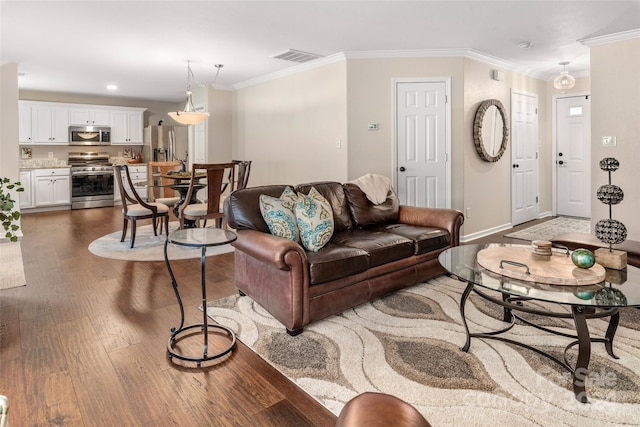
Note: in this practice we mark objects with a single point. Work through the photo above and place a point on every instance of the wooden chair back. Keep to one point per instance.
(215, 174)
(243, 168)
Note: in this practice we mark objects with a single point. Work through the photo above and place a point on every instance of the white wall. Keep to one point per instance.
(615, 111)
(9, 122)
(289, 126)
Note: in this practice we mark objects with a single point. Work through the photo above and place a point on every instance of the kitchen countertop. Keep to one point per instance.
(43, 164)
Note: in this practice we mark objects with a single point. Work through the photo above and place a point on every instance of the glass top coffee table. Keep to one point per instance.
(198, 238)
(621, 288)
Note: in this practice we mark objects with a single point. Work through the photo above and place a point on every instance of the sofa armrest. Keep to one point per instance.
(448, 219)
(270, 249)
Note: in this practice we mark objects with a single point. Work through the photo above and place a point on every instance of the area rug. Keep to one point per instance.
(408, 345)
(11, 266)
(147, 247)
(549, 229)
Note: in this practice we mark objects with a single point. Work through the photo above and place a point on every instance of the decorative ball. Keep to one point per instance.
(609, 164)
(585, 295)
(583, 258)
(610, 194)
(611, 231)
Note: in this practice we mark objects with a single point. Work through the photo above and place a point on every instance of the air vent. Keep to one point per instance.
(296, 56)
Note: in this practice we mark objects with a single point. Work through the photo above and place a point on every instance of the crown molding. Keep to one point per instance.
(611, 38)
(389, 54)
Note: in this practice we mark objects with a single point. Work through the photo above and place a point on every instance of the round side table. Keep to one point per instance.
(197, 238)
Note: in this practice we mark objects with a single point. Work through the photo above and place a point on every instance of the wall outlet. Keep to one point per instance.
(338, 143)
(608, 141)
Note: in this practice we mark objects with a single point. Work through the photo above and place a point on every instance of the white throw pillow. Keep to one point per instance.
(315, 220)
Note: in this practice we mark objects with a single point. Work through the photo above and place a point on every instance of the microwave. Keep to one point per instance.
(89, 135)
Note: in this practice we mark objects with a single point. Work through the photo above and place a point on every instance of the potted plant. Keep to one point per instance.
(8, 215)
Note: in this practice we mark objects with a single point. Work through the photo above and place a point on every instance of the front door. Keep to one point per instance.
(573, 156)
(421, 135)
(524, 157)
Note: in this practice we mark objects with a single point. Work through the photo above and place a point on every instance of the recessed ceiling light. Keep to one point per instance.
(112, 87)
(525, 45)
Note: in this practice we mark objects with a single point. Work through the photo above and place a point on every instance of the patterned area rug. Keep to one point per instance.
(549, 229)
(11, 266)
(147, 247)
(408, 345)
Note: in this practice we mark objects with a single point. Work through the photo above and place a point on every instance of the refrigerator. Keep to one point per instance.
(167, 143)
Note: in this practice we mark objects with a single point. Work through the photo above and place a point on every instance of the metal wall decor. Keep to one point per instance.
(610, 230)
(490, 130)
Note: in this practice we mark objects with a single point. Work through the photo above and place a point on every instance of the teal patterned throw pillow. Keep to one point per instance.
(279, 214)
(315, 220)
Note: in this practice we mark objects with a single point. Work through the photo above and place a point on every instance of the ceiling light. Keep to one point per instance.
(189, 115)
(564, 81)
(112, 87)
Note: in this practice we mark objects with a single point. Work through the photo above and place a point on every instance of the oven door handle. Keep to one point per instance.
(90, 173)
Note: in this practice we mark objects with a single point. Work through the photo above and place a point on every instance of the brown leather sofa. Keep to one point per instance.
(375, 250)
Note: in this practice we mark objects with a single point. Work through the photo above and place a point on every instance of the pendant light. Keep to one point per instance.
(190, 116)
(564, 81)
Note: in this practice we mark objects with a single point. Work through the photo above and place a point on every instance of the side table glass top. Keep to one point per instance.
(201, 237)
(621, 288)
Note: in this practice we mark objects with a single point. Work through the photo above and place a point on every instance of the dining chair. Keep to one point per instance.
(134, 208)
(214, 175)
(242, 169)
(159, 184)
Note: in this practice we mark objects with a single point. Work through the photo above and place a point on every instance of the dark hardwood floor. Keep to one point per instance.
(83, 344)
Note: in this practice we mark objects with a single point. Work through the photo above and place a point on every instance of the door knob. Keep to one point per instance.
(515, 165)
(559, 154)
(561, 162)
(402, 169)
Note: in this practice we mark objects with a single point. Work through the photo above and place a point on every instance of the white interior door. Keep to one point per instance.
(524, 157)
(422, 161)
(573, 156)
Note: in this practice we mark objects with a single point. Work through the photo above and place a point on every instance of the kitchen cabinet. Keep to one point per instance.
(49, 124)
(52, 187)
(26, 197)
(89, 117)
(127, 127)
(138, 174)
(24, 123)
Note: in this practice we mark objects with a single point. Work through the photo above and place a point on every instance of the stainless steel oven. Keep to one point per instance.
(92, 180)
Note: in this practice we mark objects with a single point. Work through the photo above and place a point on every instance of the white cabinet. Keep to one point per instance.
(52, 187)
(24, 123)
(89, 116)
(49, 124)
(127, 127)
(26, 197)
(138, 174)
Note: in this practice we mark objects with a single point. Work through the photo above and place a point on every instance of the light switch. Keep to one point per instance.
(372, 126)
(338, 143)
(608, 141)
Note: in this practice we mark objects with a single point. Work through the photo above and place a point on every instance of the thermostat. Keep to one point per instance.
(373, 126)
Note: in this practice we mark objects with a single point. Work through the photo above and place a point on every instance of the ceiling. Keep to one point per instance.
(143, 46)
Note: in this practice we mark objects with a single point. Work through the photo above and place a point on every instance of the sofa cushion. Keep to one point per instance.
(365, 213)
(242, 207)
(425, 239)
(335, 262)
(334, 193)
(381, 246)
(279, 214)
(315, 220)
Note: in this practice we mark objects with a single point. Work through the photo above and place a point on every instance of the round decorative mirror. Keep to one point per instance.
(491, 130)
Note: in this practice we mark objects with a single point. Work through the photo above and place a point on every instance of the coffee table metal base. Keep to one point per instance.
(582, 339)
(179, 334)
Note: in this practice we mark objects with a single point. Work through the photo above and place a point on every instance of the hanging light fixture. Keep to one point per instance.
(191, 116)
(564, 81)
